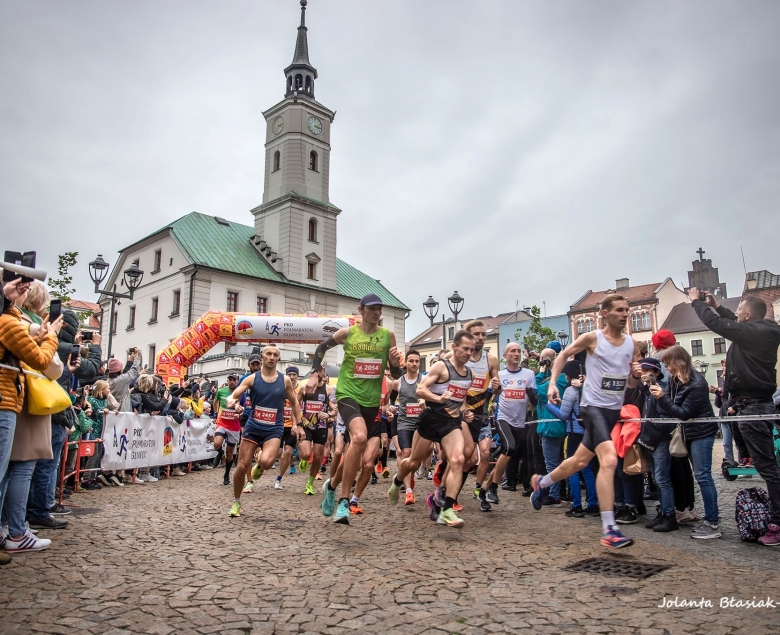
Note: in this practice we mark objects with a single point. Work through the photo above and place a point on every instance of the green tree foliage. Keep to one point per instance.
(61, 286)
(536, 335)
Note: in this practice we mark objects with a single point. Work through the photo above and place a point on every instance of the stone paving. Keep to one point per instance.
(165, 558)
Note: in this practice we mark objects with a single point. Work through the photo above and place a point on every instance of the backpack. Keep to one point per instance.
(752, 513)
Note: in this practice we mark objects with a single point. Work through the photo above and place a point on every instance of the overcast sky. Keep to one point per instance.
(515, 151)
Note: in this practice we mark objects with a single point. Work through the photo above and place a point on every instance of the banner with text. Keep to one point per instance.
(132, 441)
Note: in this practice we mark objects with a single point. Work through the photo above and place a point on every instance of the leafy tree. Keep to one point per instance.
(536, 335)
(61, 286)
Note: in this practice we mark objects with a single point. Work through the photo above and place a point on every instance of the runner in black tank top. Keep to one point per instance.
(609, 371)
(265, 426)
(444, 389)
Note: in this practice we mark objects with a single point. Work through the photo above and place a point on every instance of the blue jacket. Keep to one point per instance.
(569, 411)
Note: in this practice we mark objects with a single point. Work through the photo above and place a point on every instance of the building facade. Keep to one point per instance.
(285, 262)
(516, 326)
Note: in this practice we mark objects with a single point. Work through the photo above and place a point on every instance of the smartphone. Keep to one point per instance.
(55, 310)
(86, 336)
(75, 353)
(651, 380)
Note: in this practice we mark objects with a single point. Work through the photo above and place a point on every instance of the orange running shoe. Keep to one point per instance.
(409, 498)
(354, 508)
(378, 468)
(457, 507)
(438, 472)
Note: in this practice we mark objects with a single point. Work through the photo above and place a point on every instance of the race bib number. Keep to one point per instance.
(479, 383)
(514, 394)
(413, 410)
(368, 368)
(458, 392)
(264, 415)
(228, 415)
(611, 384)
(313, 407)
(288, 412)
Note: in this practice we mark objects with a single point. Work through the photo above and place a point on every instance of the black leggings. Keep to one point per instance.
(514, 443)
(534, 450)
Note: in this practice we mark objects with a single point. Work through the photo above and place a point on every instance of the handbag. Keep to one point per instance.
(634, 462)
(44, 396)
(677, 445)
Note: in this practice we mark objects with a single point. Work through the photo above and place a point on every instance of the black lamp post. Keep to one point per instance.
(133, 276)
(563, 337)
(455, 302)
(431, 308)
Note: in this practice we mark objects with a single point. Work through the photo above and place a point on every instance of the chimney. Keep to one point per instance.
(621, 283)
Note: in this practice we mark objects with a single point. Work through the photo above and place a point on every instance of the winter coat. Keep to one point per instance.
(149, 402)
(120, 385)
(569, 411)
(689, 401)
(653, 432)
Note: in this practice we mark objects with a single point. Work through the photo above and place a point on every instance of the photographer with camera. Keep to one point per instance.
(750, 380)
(121, 378)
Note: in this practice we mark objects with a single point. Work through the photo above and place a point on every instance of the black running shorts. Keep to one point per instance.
(318, 436)
(434, 427)
(405, 439)
(289, 438)
(350, 409)
(598, 424)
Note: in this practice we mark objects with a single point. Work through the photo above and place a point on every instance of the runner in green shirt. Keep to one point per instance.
(368, 348)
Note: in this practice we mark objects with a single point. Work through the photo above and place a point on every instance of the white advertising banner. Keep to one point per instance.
(289, 328)
(132, 441)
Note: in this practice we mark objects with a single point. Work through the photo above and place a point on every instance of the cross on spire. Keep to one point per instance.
(701, 253)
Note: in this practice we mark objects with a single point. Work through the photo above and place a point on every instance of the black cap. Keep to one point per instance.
(255, 358)
(233, 376)
(370, 299)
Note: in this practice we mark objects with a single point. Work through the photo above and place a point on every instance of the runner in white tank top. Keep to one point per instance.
(609, 371)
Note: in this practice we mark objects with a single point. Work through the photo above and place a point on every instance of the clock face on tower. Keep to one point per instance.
(277, 126)
(314, 125)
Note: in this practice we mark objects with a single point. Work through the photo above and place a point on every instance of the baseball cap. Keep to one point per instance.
(370, 299)
(651, 363)
(233, 376)
(292, 369)
(255, 358)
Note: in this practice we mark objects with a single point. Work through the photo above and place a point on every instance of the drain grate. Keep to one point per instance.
(79, 511)
(614, 567)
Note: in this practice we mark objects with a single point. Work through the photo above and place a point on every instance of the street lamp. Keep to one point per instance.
(563, 337)
(431, 308)
(455, 302)
(703, 366)
(133, 276)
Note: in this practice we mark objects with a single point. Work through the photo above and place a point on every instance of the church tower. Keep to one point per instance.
(295, 226)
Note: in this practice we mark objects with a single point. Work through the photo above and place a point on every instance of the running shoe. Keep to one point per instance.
(614, 539)
(450, 518)
(476, 492)
(28, 542)
(438, 497)
(309, 489)
(379, 469)
(706, 530)
(435, 509)
(329, 502)
(374, 480)
(491, 496)
(484, 505)
(386, 472)
(248, 488)
(354, 508)
(257, 471)
(292, 469)
(438, 473)
(277, 485)
(318, 477)
(341, 517)
(457, 507)
(409, 498)
(226, 480)
(537, 497)
(235, 510)
(575, 512)
(303, 465)
(393, 493)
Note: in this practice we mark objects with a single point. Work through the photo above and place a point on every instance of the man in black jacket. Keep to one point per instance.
(750, 380)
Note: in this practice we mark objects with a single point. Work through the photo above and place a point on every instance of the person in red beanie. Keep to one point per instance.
(663, 339)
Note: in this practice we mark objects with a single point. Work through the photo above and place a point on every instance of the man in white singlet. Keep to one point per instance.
(610, 370)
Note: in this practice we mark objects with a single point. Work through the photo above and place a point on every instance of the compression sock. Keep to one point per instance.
(385, 452)
(396, 482)
(545, 481)
(462, 482)
(330, 485)
(279, 478)
(448, 502)
(607, 520)
(228, 465)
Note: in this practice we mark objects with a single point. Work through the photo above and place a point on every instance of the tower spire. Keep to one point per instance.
(301, 74)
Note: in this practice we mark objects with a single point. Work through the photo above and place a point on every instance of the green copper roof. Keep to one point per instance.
(227, 247)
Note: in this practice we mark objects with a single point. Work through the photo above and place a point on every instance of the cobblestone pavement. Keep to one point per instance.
(165, 558)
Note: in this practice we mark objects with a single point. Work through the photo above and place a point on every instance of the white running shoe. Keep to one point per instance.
(139, 480)
(150, 479)
(277, 485)
(28, 542)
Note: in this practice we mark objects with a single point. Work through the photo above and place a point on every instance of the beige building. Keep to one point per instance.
(284, 262)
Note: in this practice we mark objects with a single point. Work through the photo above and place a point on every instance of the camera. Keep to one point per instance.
(702, 296)
(86, 336)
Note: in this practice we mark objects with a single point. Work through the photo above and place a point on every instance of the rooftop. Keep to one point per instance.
(761, 280)
(433, 333)
(683, 318)
(639, 293)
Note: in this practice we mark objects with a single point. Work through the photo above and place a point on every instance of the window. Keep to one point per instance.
(640, 322)
(176, 303)
(155, 306)
(720, 344)
(584, 326)
(312, 271)
(116, 321)
(719, 373)
(152, 356)
(157, 261)
(451, 333)
(313, 161)
(131, 321)
(697, 348)
(423, 364)
(262, 305)
(277, 160)
(312, 230)
(232, 302)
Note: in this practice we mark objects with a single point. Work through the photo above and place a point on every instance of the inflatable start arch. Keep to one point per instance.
(269, 328)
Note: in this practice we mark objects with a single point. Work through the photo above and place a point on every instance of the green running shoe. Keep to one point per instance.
(303, 465)
(328, 505)
(342, 513)
(476, 492)
(309, 489)
(257, 471)
(235, 510)
(450, 518)
(393, 493)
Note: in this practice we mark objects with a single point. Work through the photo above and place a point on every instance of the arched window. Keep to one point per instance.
(289, 83)
(308, 83)
(277, 160)
(313, 160)
(313, 230)
(298, 81)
